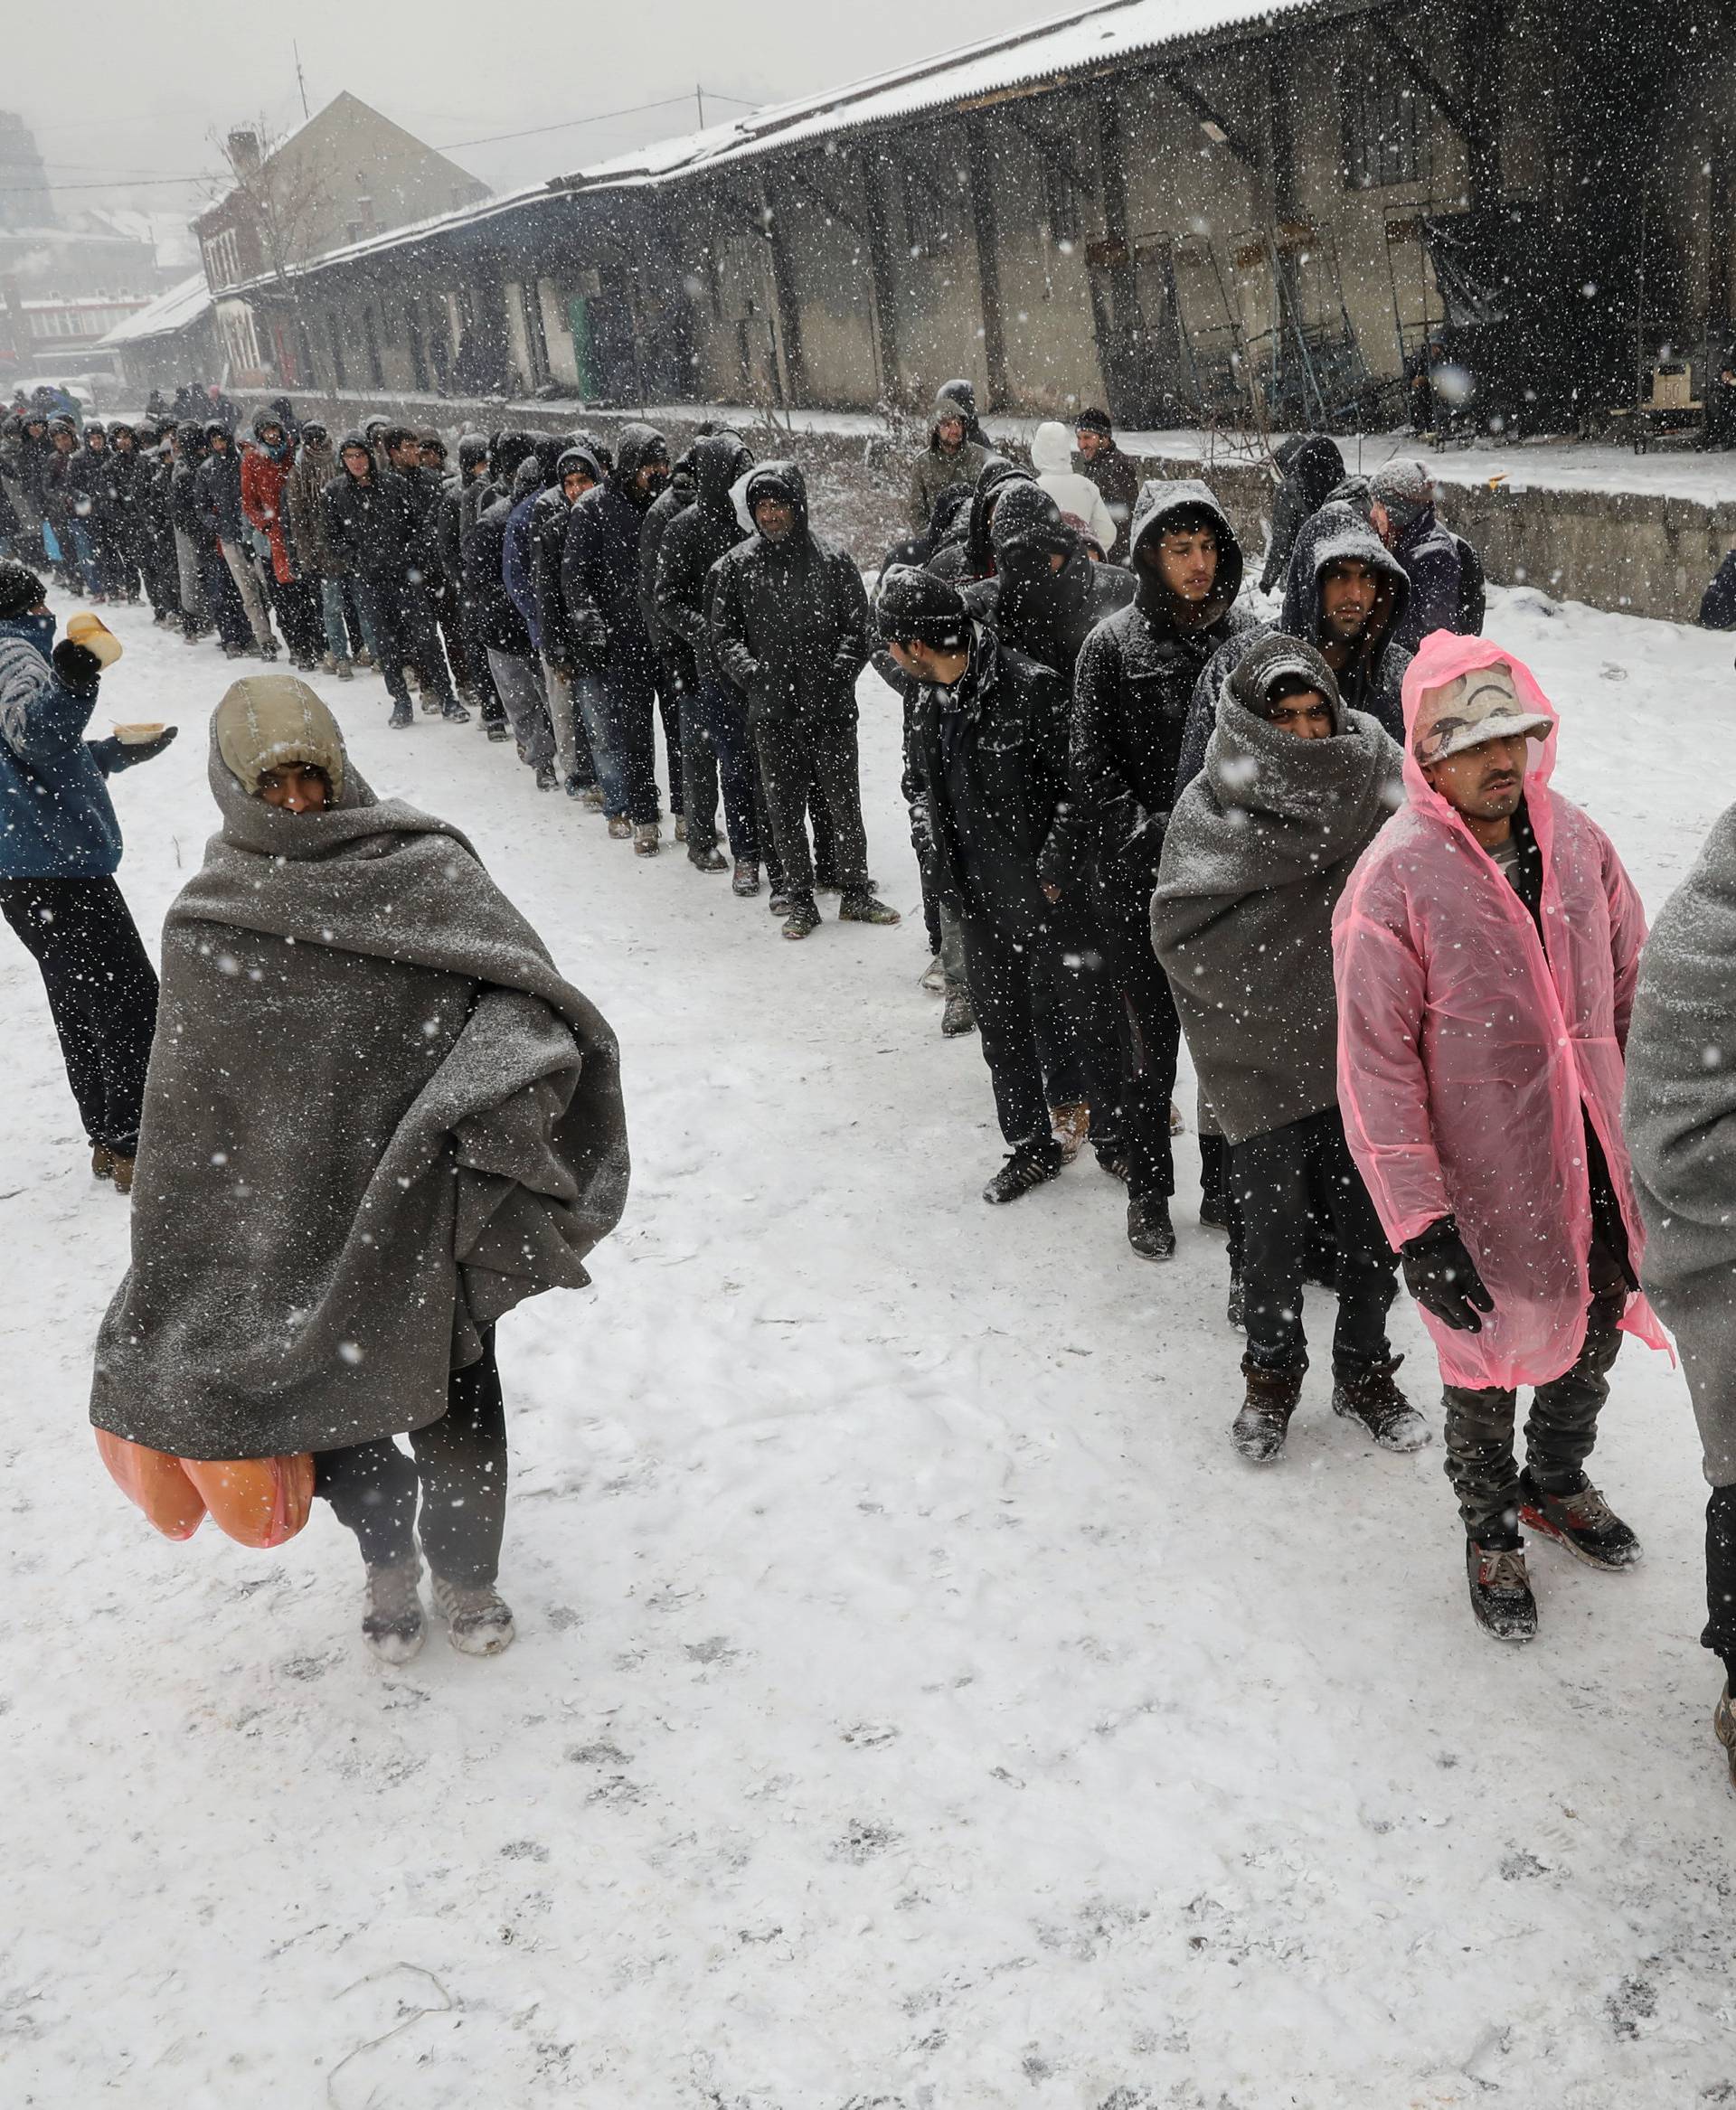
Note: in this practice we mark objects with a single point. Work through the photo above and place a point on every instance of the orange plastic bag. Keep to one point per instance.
(258, 1502)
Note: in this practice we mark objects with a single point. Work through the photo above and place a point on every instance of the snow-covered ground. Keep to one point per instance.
(915, 1703)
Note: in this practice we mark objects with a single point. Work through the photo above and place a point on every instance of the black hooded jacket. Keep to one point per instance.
(696, 539)
(1372, 682)
(599, 568)
(1133, 684)
(1312, 465)
(1034, 609)
(487, 605)
(670, 503)
(789, 619)
(550, 513)
(375, 525)
(972, 556)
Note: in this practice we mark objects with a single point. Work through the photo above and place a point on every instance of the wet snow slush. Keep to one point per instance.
(916, 1701)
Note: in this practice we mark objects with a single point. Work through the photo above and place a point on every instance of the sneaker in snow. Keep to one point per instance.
(102, 1162)
(574, 788)
(620, 829)
(497, 729)
(1033, 1161)
(454, 712)
(681, 827)
(545, 777)
(478, 1622)
(747, 877)
(1583, 1523)
(934, 978)
(1214, 1212)
(1370, 1396)
(401, 714)
(346, 671)
(781, 900)
(1150, 1232)
(864, 909)
(392, 1616)
(1260, 1427)
(1500, 1591)
(1068, 1127)
(1723, 1727)
(647, 839)
(958, 1017)
(1114, 1158)
(712, 860)
(592, 798)
(803, 921)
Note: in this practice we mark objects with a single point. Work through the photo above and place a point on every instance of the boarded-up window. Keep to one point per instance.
(1384, 136)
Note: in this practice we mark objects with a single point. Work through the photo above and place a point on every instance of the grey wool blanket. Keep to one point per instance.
(1679, 1115)
(1256, 853)
(377, 1118)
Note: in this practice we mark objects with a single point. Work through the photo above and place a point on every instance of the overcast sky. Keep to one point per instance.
(162, 76)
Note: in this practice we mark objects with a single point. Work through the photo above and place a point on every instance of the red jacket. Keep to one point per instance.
(262, 501)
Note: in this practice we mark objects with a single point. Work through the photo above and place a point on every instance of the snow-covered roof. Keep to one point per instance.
(1076, 44)
(170, 311)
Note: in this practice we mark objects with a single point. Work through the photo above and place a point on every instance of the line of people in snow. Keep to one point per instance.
(1326, 847)
(1405, 966)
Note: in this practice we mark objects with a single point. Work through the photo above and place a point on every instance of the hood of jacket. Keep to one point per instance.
(1316, 463)
(1159, 502)
(473, 451)
(1333, 532)
(1267, 662)
(637, 445)
(578, 457)
(788, 477)
(1051, 450)
(266, 721)
(998, 472)
(529, 477)
(720, 460)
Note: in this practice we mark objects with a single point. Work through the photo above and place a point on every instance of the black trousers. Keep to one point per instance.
(794, 758)
(1721, 1578)
(1560, 1428)
(1150, 1034)
(1275, 1176)
(1015, 991)
(460, 1469)
(398, 613)
(101, 990)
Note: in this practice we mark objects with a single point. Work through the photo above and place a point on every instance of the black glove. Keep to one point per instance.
(78, 669)
(1443, 1278)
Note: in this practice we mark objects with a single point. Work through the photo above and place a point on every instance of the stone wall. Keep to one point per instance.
(1632, 552)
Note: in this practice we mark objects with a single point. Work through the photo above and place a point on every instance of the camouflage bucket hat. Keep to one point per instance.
(1479, 706)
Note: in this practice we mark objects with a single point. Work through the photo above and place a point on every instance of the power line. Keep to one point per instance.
(566, 123)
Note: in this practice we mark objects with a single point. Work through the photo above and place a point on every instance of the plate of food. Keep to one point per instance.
(135, 732)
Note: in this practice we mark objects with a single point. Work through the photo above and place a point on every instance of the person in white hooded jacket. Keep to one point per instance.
(1080, 499)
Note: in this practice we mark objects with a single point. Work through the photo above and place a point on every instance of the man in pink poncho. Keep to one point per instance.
(1486, 952)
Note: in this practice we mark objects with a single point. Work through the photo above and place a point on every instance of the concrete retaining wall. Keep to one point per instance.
(1633, 552)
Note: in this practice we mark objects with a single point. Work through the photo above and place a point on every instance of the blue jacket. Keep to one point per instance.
(515, 566)
(56, 818)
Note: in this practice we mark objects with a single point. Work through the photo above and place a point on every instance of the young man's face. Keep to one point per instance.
(950, 433)
(575, 484)
(96, 441)
(358, 461)
(406, 455)
(1091, 442)
(62, 441)
(774, 518)
(1185, 559)
(296, 787)
(432, 458)
(271, 435)
(1484, 783)
(123, 443)
(1347, 596)
(219, 443)
(652, 477)
(1307, 715)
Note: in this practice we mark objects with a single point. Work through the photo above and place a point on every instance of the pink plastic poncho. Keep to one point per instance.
(1466, 1052)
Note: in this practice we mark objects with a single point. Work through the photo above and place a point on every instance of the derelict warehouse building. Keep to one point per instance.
(1191, 210)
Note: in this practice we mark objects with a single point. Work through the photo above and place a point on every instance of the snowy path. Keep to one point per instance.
(915, 1703)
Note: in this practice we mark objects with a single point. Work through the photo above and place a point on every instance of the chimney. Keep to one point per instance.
(244, 153)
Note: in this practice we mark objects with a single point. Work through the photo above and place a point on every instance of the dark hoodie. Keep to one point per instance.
(550, 517)
(535, 478)
(789, 619)
(1373, 679)
(1312, 465)
(372, 525)
(1133, 684)
(675, 498)
(1045, 614)
(697, 538)
(600, 568)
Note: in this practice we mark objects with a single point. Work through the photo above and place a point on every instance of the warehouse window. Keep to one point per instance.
(1383, 131)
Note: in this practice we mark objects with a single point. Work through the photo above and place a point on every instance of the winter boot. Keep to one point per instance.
(425, 694)
(863, 908)
(1723, 1727)
(933, 978)
(345, 670)
(1214, 1212)
(803, 921)
(1500, 1587)
(1582, 1521)
(454, 712)
(120, 1170)
(102, 1162)
(747, 877)
(1033, 1161)
(781, 897)
(681, 827)
(620, 829)
(712, 860)
(545, 778)
(497, 729)
(392, 1616)
(574, 787)
(1069, 1125)
(958, 1017)
(1259, 1431)
(401, 714)
(647, 839)
(592, 798)
(478, 1622)
(1150, 1232)
(1370, 1396)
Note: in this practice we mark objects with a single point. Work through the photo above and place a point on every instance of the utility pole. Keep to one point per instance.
(699, 98)
(300, 83)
